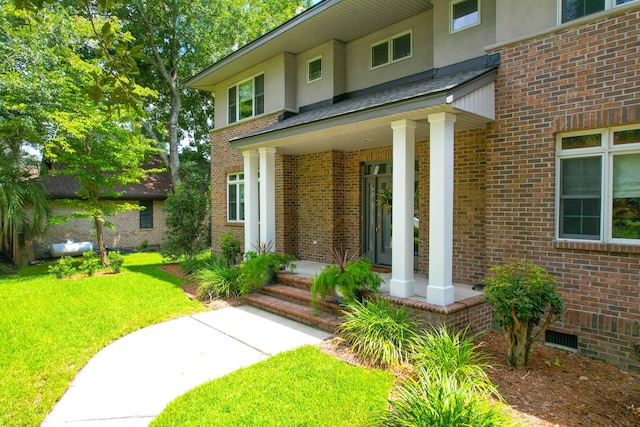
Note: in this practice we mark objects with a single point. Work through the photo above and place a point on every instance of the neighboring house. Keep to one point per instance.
(508, 130)
(132, 228)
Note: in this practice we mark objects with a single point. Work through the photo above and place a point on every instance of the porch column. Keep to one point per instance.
(251, 218)
(268, 195)
(404, 137)
(440, 289)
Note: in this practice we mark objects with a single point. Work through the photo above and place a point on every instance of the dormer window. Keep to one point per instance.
(314, 69)
(246, 99)
(391, 50)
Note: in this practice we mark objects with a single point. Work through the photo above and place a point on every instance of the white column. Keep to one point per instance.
(440, 289)
(251, 218)
(404, 142)
(268, 195)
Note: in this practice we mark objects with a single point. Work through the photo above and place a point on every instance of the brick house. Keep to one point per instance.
(132, 228)
(507, 129)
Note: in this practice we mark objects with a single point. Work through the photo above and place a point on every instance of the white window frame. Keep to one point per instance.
(466, 27)
(235, 179)
(389, 42)
(309, 79)
(254, 113)
(607, 151)
(608, 4)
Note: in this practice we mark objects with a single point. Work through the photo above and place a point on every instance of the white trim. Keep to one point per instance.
(238, 182)
(309, 80)
(253, 98)
(471, 25)
(389, 41)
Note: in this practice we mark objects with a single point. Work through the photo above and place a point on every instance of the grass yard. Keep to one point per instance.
(50, 328)
(302, 387)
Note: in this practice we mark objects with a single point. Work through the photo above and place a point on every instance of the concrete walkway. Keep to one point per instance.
(129, 382)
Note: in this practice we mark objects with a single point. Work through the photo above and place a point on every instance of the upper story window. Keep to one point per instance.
(246, 99)
(314, 69)
(574, 9)
(146, 214)
(464, 14)
(390, 50)
(599, 185)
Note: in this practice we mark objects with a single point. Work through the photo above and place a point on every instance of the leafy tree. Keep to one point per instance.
(520, 294)
(187, 223)
(180, 38)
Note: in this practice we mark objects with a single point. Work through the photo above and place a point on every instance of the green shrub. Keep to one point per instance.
(188, 223)
(439, 400)
(453, 354)
(220, 281)
(230, 247)
(115, 260)
(259, 267)
(143, 245)
(520, 294)
(380, 332)
(203, 260)
(63, 268)
(90, 263)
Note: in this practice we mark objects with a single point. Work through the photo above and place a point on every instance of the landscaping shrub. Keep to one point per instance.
(90, 263)
(230, 247)
(380, 332)
(436, 399)
(115, 260)
(520, 294)
(188, 223)
(220, 281)
(63, 268)
(203, 260)
(455, 355)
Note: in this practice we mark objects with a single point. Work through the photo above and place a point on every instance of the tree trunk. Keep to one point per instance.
(517, 353)
(174, 144)
(103, 253)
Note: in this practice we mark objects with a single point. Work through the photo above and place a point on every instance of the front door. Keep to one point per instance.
(377, 181)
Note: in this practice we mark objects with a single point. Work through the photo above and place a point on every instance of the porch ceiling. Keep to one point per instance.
(366, 122)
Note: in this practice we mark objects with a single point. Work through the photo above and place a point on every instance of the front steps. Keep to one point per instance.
(290, 297)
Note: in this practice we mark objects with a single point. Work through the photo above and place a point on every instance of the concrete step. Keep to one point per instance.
(294, 311)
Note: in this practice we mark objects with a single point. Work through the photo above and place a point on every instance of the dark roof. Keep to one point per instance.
(155, 187)
(432, 86)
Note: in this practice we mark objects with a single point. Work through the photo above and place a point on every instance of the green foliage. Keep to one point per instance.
(436, 399)
(63, 268)
(115, 260)
(187, 223)
(143, 245)
(301, 387)
(230, 247)
(49, 330)
(348, 274)
(454, 355)
(202, 260)
(380, 332)
(221, 281)
(520, 294)
(90, 264)
(259, 267)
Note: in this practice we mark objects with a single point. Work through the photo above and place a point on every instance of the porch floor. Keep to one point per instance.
(461, 292)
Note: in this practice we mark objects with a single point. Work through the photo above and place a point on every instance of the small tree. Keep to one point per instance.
(520, 294)
(187, 223)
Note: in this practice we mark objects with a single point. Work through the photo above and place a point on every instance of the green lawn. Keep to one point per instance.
(302, 387)
(50, 328)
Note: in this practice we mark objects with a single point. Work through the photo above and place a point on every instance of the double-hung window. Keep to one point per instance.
(599, 185)
(146, 214)
(235, 197)
(391, 50)
(314, 69)
(574, 9)
(246, 99)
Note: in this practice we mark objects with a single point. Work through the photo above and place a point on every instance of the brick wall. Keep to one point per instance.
(127, 233)
(583, 77)
(225, 160)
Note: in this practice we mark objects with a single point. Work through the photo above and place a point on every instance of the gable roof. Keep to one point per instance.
(155, 187)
